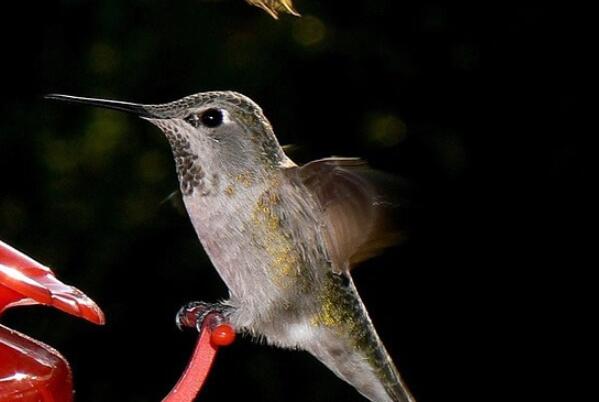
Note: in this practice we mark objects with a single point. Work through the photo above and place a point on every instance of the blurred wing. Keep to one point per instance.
(357, 216)
(274, 7)
(25, 281)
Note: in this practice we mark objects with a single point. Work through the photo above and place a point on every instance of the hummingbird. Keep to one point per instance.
(284, 238)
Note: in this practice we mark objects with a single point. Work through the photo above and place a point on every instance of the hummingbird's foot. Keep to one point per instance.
(196, 314)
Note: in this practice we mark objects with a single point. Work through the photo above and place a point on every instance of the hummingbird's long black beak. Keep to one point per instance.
(128, 107)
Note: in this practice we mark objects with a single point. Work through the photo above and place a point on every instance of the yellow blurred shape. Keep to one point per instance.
(60, 156)
(152, 166)
(309, 31)
(386, 130)
(105, 132)
(103, 58)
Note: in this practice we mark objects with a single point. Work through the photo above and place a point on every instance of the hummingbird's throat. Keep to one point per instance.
(189, 171)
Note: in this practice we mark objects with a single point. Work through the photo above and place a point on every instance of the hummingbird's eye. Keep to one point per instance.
(212, 118)
(209, 118)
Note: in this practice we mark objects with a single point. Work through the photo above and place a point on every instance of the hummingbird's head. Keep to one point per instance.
(210, 133)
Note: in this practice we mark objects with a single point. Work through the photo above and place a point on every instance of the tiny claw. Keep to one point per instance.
(187, 315)
(197, 314)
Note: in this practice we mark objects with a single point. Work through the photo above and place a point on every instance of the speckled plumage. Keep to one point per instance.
(270, 229)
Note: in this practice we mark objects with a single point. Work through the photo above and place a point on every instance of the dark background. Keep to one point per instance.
(478, 107)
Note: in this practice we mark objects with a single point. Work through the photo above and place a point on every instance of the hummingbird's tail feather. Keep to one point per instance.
(356, 354)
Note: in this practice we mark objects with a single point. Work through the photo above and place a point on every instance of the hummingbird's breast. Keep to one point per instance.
(263, 237)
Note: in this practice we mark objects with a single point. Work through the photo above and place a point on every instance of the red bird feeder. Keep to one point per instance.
(31, 371)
